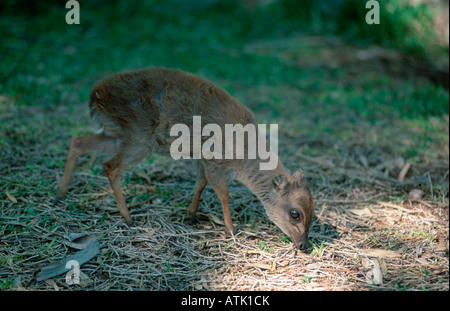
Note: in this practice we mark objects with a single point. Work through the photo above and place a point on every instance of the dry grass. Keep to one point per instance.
(364, 217)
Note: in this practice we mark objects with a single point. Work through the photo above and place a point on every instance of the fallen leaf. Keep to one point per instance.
(284, 263)
(11, 197)
(274, 266)
(79, 240)
(374, 275)
(388, 204)
(442, 247)
(379, 252)
(83, 256)
(361, 212)
(415, 194)
(313, 266)
(436, 272)
(51, 282)
(85, 280)
(16, 284)
(204, 282)
(422, 261)
(216, 219)
(261, 266)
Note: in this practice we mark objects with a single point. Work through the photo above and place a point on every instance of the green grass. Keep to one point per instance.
(318, 251)
(47, 62)
(264, 247)
(403, 25)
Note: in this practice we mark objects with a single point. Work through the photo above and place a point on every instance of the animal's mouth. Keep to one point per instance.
(299, 240)
(298, 236)
(301, 243)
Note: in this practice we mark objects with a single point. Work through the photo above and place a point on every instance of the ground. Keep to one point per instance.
(370, 133)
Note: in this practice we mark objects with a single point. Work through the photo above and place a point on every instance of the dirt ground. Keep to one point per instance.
(371, 231)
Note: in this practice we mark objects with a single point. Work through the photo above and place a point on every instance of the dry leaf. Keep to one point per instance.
(11, 197)
(361, 212)
(261, 266)
(313, 266)
(85, 280)
(51, 282)
(79, 240)
(442, 247)
(374, 275)
(83, 256)
(422, 261)
(284, 263)
(17, 283)
(216, 219)
(274, 266)
(379, 252)
(388, 204)
(204, 282)
(415, 194)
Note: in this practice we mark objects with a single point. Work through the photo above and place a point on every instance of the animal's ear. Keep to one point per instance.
(280, 183)
(298, 176)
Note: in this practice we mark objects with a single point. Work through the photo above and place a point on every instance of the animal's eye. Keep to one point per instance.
(295, 214)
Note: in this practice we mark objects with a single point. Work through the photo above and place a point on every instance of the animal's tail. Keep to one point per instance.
(100, 128)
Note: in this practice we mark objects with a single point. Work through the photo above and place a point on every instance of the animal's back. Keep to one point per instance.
(145, 104)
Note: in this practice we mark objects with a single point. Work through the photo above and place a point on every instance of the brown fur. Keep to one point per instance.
(135, 112)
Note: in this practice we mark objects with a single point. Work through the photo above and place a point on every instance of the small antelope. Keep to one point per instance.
(135, 111)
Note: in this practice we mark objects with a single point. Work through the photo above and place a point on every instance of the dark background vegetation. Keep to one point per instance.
(201, 36)
(356, 104)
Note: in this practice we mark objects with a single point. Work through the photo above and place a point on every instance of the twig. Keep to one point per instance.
(403, 172)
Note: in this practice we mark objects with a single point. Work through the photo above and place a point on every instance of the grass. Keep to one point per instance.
(318, 250)
(350, 123)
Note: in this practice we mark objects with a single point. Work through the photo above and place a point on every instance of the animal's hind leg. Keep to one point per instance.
(79, 146)
(126, 156)
(200, 185)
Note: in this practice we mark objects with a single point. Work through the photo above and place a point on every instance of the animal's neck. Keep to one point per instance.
(257, 180)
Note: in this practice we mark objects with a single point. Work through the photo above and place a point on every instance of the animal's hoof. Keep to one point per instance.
(56, 200)
(234, 231)
(193, 221)
(130, 223)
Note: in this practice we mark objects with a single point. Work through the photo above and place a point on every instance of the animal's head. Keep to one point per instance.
(292, 206)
